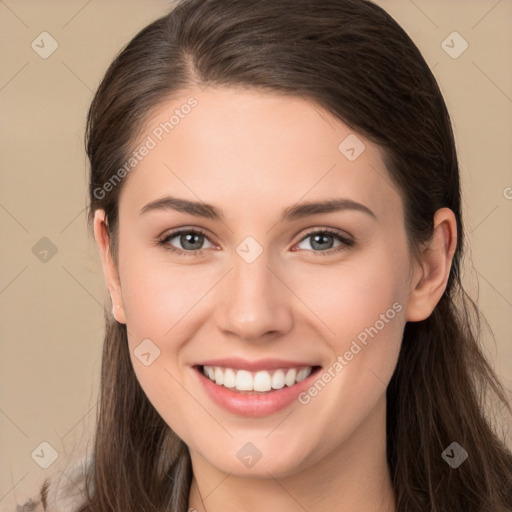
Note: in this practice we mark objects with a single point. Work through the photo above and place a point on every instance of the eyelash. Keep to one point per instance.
(345, 242)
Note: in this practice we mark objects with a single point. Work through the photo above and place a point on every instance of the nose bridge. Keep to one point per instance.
(254, 300)
(251, 278)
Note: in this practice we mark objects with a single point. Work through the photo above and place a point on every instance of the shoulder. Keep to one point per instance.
(63, 491)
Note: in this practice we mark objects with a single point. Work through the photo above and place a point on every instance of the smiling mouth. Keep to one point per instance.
(259, 382)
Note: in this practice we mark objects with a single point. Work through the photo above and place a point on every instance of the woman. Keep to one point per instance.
(313, 347)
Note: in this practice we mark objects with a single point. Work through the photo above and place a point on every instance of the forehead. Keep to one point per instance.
(246, 149)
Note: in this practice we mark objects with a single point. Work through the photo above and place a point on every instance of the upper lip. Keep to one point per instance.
(254, 365)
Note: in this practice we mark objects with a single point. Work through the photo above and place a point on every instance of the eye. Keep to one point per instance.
(322, 239)
(190, 239)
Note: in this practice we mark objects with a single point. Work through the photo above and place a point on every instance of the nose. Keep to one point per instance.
(254, 303)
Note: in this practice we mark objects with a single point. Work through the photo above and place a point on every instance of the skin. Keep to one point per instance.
(252, 154)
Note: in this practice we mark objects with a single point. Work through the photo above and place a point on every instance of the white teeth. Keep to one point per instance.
(261, 381)
(219, 376)
(303, 373)
(291, 375)
(244, 380)
(278, 379)
(229, 378)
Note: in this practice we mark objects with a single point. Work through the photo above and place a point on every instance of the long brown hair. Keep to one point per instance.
(352, 59)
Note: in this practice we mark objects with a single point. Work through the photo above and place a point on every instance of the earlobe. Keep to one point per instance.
(110, 270)
(434, 268)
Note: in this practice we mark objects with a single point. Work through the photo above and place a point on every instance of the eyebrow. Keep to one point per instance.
(295, 212)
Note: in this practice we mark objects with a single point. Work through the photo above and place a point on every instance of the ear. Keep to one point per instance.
(432, 271)
(109, 267)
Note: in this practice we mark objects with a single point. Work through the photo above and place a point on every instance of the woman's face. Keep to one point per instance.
(249, 289)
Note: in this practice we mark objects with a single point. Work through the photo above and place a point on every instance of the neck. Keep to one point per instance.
(352, 478)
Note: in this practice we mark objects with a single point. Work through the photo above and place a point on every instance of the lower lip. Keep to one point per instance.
(254, 405)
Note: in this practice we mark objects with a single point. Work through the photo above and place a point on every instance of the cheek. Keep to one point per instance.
(350, 296)
(157, 295)
(159, 301)
(361, 312)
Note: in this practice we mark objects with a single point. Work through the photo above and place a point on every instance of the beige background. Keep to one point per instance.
(51, 313)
